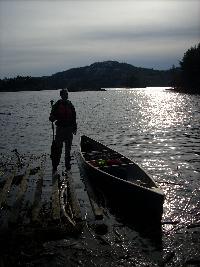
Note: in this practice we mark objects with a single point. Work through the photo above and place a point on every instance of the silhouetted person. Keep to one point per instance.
(63, 112)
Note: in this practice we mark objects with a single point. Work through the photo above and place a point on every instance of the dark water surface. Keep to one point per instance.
(158, 129)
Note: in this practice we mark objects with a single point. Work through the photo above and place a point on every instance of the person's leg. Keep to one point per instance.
(59, 144)
(68, 144)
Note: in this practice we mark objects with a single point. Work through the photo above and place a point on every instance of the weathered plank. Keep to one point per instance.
(15, 210)
(6, 187)
(98, 211)
(73, 198)
(64, 205)
(95, 209)
(28, 203)
(38, 193)
(55, 198)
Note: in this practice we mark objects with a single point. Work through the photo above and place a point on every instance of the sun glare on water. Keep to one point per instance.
(160, 108)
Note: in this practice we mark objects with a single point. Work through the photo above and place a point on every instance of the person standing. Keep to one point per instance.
(64, 115)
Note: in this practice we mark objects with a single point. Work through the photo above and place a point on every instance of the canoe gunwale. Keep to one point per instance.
(154, 190)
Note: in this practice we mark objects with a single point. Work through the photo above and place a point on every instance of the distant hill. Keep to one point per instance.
(94, 77)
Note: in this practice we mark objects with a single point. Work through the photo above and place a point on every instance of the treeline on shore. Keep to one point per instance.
(111, 74)
(94, 77)
(187, 79)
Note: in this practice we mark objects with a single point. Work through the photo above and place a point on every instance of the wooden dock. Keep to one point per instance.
(32, 199)
(35, 201)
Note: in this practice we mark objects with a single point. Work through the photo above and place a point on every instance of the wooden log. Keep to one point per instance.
(55, 198)
(97, 210)
(20, 196)
(23, 185)
(73, 198)
(7, 187)
(38, 194)
(68, 217)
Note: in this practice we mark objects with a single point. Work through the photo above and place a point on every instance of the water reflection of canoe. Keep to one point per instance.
(121, 179)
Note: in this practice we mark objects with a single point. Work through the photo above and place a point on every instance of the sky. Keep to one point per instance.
(39, 37)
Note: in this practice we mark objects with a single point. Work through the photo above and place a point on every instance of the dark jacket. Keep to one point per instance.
(66, 120)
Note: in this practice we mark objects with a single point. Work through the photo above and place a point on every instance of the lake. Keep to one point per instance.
(157, 128)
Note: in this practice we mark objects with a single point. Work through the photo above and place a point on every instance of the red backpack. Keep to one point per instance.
(64, 112)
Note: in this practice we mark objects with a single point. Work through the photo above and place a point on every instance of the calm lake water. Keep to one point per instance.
(156, 128)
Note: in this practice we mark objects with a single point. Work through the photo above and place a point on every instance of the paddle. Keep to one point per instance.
(52, 124)
(53, 155)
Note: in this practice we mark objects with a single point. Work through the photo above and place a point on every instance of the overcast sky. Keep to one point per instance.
(44, 37)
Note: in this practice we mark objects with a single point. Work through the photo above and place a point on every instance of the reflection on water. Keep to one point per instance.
(158, 129)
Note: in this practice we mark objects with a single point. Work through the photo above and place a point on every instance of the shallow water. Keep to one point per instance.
(158, 129)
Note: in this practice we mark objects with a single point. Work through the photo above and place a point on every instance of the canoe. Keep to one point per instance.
(120, 178)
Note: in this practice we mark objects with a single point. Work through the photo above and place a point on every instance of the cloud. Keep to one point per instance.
(43, 37)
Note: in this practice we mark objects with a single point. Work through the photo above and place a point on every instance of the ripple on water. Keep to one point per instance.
(157, 129)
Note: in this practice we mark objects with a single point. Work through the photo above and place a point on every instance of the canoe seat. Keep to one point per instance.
(118, 165)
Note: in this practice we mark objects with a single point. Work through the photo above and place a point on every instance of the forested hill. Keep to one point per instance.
(96, 76)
